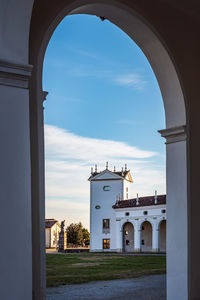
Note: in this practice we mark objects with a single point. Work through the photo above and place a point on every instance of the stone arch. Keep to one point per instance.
(143, 32)
(128, 237)
(146, 236)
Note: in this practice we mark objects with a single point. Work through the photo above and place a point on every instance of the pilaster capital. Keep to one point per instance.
(174, 134)
(15, 75)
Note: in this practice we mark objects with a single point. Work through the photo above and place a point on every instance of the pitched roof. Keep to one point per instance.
(124, 174)
(142, 201)
(50, 222)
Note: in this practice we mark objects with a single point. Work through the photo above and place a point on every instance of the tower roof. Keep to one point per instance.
(111, 175)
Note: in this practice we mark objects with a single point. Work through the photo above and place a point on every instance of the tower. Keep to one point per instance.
(105, 188)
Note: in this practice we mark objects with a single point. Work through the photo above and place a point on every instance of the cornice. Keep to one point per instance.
(15, 75)
(174, 134)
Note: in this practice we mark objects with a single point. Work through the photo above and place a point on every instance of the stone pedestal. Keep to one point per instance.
(62, 243)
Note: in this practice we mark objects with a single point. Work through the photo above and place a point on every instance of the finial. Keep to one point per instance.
(114, 169)
(122, 169)
(96, 168)
(156, 200)
(92, 170)
(137, 200)
(125, 167)
(117, 198)
(107, 165)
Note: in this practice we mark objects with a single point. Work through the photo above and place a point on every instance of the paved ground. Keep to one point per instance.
(145, 288)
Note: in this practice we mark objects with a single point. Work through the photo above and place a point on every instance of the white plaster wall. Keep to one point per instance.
(15, 17)
(126, 184)
(137, 212)
(47, 237)
(55, 229)
(106, 199)
(15, 194)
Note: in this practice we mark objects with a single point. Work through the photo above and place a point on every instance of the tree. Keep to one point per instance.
(86, 236)
(77, 235)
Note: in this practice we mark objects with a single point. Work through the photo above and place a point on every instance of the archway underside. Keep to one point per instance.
(141, 32)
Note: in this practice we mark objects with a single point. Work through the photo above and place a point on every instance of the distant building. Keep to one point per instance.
(52, 229)
(118, 223)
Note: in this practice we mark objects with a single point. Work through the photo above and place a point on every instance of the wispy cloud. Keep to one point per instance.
(114, 74)
(132, 80)
(67, 145)
(68, 161)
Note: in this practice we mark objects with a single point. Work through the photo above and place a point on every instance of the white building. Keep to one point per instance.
(52, 229)
(118, 223)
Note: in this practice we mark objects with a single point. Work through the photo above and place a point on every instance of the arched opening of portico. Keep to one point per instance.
(162, 239)
(146, 237)
(128, 237)
(169, 84)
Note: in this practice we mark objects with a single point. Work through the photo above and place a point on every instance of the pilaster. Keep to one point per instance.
(177, 212)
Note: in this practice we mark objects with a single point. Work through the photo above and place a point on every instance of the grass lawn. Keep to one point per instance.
(80, 268)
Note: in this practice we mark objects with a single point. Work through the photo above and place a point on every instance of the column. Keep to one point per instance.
(137, 238)
(15, 183)
(119, 236)
(177, 221)
(155, 238)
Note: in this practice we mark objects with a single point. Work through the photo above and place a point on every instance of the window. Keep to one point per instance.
(106, 225)
(106, 243)
(142, 242)
(127, 214)
(163, 211)
(127, 242)
(142, 227)
(97, 206)
(127, 189)
(126, 195)
(107, 188)
(145, 212)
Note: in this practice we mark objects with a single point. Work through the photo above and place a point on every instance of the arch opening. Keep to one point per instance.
(128, 237)
(161, 63)
(162, 237)
(146, 237)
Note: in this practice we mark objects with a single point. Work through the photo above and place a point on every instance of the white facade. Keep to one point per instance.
(52, 229)
(121, 224)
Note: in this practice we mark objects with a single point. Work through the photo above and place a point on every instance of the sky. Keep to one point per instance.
(104, 104)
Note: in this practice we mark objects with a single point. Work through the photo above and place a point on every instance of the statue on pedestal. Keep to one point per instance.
(62, 243)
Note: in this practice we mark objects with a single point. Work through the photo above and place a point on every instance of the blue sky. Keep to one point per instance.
(102, 95)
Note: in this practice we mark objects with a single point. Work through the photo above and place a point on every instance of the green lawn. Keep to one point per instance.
(79, 268)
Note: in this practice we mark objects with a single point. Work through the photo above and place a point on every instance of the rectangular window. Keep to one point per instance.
(106, 243)
(106, 225)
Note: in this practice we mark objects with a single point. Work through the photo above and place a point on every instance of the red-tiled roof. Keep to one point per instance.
(50, 222)
(142, 201)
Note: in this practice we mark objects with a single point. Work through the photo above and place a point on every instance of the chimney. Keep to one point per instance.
(125, 167)
(92, 170)
(95, 168)
(156, 200)
(137, 200)
(107, 165)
